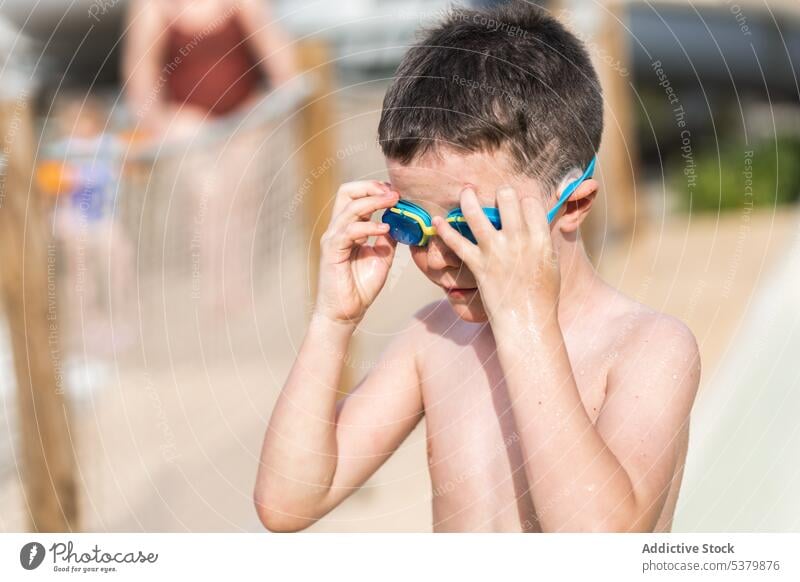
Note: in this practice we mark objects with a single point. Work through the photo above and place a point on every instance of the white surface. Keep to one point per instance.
(743, 467)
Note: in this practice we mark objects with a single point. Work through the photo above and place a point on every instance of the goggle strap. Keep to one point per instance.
(570, 189)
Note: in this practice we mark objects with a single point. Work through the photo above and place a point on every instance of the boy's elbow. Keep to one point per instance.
(621, 526)
(276, 518)
(277, 522)
(626, 522)
(619, 520)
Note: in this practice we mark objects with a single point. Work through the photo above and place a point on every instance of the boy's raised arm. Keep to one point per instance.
(645, 419)
(612, 475)
(316, 453)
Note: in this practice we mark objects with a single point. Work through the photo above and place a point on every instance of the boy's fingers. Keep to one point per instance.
(385, 240)
(357, 231)
(362, 208)
(385, 247)
(465, 250)
(355, 190)
(510, 210)
(478, 223)
(534, 213)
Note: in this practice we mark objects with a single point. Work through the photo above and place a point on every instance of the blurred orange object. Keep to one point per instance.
(134, 136)
(55, 178)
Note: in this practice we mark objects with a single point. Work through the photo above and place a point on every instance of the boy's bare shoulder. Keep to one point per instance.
(655, 330)
(653, 345)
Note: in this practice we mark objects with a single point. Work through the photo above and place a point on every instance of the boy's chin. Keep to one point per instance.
(471, 311)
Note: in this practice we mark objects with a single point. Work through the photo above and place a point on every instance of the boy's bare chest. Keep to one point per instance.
(468, 412)
(462, 376)
(474, 450)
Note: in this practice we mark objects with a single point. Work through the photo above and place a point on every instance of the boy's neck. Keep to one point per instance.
(579, 281)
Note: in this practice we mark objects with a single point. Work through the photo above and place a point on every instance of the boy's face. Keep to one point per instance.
(435, 182)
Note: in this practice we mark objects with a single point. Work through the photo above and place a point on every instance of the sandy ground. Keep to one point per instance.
(173, 444)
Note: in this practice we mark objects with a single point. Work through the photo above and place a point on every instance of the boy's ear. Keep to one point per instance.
(578, 206)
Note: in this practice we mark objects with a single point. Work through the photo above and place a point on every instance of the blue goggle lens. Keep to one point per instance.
(463, 228)
(402, 229)
(407, 231)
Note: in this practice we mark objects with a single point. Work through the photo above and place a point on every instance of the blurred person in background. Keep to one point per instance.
(80, 172)
(190, 62)
(186, 61)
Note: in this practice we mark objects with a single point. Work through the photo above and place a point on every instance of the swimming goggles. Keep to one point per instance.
(411, 224)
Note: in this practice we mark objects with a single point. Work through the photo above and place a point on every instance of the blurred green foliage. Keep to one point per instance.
(766, 173)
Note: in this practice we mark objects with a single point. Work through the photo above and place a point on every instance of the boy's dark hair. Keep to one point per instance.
(511, 77)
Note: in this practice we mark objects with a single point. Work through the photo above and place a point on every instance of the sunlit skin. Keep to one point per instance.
(552, 402)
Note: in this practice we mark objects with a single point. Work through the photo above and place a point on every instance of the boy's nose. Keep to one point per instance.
(440, 256)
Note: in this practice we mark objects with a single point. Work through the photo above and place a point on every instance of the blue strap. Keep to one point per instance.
(570, 189)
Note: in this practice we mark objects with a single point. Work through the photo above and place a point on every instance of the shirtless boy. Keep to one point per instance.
(552, 401)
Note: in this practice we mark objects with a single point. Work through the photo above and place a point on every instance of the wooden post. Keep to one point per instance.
(317, 134)
(619, 159)
(26, 262)
(600, 27)
(319, 178)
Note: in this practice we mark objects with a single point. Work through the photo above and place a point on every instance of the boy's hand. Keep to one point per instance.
(516, 268)
(352, 273)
